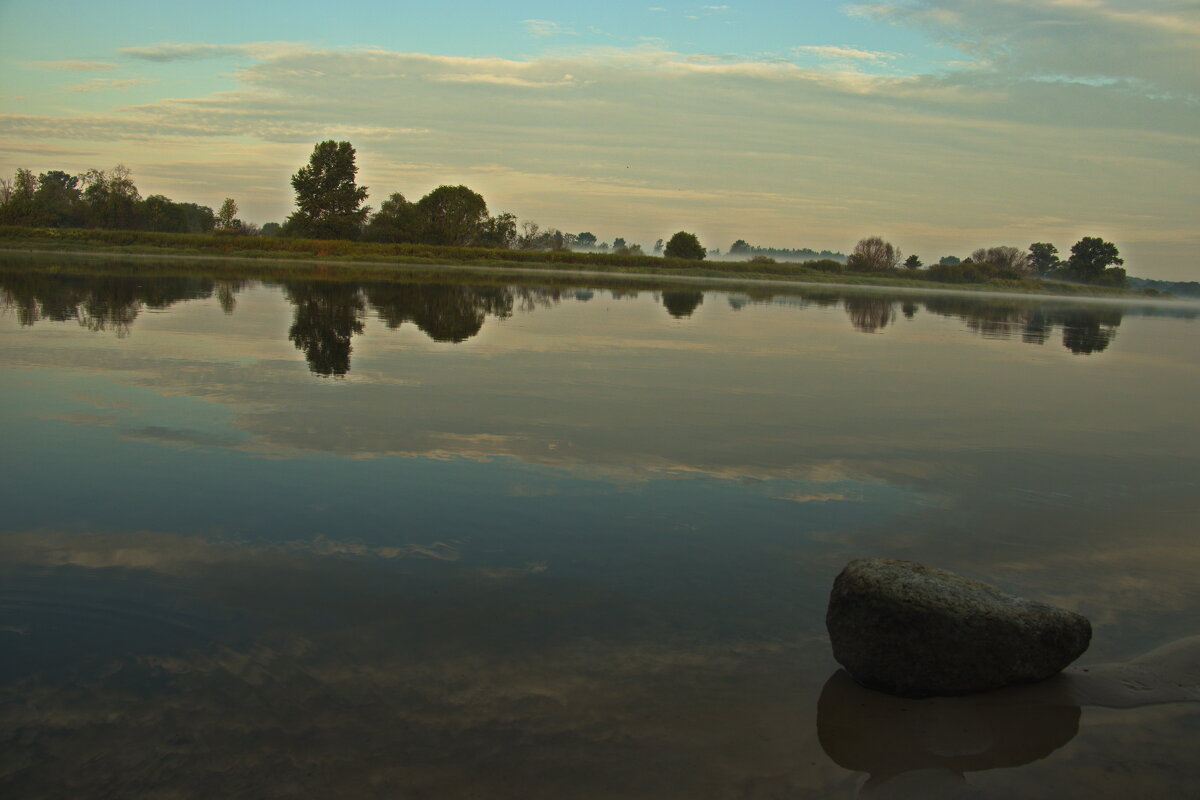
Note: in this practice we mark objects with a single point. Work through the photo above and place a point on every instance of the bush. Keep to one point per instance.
(823, 265)
(956, 273)
(763, 260)
(685, 245)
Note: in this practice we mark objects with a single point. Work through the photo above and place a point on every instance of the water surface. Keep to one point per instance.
(458, 535)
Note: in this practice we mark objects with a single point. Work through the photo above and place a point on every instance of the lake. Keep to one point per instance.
(439, 534)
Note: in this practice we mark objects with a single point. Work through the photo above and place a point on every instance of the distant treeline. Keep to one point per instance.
(331, 218)
(743, 248)
(1177, 288)
(95, 199)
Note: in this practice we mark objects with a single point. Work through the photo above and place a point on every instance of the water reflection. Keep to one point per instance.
(914, 746)
(869, 314)
(682, 304)
(328, 314)
(444, 312)
(102, 302)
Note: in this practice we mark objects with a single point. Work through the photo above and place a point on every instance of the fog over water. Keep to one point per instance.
(443, 534)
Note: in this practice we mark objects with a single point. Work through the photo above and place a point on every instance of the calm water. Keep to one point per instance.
(421, 539)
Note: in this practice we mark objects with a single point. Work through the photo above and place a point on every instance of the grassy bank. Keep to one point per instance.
(257, 247)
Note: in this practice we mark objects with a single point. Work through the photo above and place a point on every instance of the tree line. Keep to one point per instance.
(331, 205)
(106, 199)
(1092, 260)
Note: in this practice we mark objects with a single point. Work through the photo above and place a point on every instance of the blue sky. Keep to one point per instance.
(943, 125)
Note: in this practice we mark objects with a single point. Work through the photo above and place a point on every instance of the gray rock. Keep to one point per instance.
(915, 631)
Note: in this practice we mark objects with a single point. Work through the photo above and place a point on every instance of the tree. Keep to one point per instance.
(158, 213)
(57, 199)
(530, 235)
(949, 260)
(1003, 257)
(499, 232)
(1043, 258)
(227, 215)
(740, 247)
(111, 198)
(19, 208)
(618, 243)
(685, 245)
(873, 254)
(658, 246)
(451, 215)
(1090, 257)
(912, 262)
(329, 203)
(271, 229)
(397, 221)
(586, 240)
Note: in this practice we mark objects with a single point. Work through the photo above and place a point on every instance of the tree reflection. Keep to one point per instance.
(327, 315)
(682, 304)
(97, 302)
(443, 312)
(869, 314)
(1086, 332)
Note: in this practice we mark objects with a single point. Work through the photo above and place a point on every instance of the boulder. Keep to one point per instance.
(915, 631)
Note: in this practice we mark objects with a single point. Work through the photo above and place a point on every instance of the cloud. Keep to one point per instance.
(837, 53)
(1138, 46)
(545, 27)
(72, 65)
(551, 136)
(104, 84)
(503, 80)
(181, 51)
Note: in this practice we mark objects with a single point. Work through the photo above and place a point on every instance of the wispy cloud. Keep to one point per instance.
(545, 27)
(836, 53)
(105, 84)
(72, 65)
(503, 80)
(183, 51)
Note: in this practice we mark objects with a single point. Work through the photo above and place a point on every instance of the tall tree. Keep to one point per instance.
(1043, 257)
(329, 203)
(58, 199)
(452, 215)
(227, 215)
(1090, 256)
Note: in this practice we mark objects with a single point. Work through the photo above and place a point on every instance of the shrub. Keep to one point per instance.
(956, 273)
(823, 265)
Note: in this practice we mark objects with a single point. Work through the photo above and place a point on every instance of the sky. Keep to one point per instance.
(943, 125)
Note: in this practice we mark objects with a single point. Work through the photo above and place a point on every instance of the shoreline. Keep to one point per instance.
(601, 271)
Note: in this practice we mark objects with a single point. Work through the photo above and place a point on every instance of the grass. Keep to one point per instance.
(370, 257)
